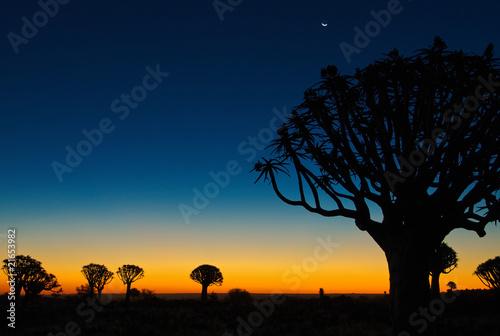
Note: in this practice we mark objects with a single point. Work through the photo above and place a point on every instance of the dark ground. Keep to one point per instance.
(471, 313)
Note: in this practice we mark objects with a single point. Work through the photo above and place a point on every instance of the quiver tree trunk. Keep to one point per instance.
(409, 288)
(127, 295)
(408, 259)
(204, 290)
(435, 288)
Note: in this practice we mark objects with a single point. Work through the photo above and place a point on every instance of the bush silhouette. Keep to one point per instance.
(239, 296)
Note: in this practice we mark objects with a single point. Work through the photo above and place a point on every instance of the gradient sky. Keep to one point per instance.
(120, 204)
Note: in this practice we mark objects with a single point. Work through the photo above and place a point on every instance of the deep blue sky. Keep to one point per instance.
(225, 79)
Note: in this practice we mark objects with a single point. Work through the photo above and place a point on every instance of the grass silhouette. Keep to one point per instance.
(472, 313)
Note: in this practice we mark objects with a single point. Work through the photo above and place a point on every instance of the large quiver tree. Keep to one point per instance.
(206, 275)
(97, 276)
(393, 148)
(28, 274)
(129, 274)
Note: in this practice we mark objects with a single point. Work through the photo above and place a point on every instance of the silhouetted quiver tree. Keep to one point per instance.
(105, 278)
(206, 275)
(97, 276)
(31, 277)
(23, 266)
(489, 273)
(39, 282)
(444, 260)
(129, 274)
(415, 139)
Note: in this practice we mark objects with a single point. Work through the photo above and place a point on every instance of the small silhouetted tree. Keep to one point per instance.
(489, 273)
(206, 275)
(321, 293)
(407, 148)
(129, 274)
(97, 276)
(452, 285)
(444, 260)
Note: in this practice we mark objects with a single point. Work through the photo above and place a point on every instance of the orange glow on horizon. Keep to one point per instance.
(260, 263)
(338, 282)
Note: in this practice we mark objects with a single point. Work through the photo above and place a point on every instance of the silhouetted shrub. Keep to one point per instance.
(239, 296)
(83, 290)
(213, 297)
(147, 293)
(134, 292)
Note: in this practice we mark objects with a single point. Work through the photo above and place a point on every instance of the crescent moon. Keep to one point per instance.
(324, 24)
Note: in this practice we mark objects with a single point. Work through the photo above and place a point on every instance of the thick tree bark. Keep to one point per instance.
(408, 261)
(127, 296)
(435, 289)
(204, 290)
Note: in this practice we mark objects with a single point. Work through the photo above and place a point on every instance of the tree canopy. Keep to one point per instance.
(489, 273)
(97, 276)
(31, 276)
(129, 274)
(407, 147)
(444, 260)
(206, 275)
(405, 134)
